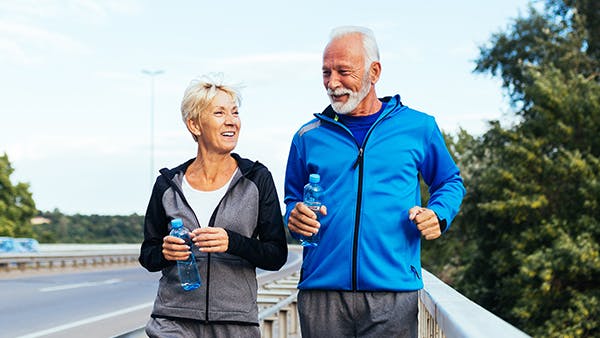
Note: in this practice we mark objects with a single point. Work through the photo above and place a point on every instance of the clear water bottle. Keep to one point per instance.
(188, 270)
(312, 199)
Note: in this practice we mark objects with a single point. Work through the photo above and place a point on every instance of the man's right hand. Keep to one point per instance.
(304, 221)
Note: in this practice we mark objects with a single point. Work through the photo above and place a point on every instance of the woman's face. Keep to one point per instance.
(219, 125)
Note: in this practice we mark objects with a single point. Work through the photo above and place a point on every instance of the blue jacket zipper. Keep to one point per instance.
(360, 161)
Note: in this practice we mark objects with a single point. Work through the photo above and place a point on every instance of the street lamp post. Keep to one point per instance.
(152, 74)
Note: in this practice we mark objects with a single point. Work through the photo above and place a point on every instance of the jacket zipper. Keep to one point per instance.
(210, 224)
(187, 204)
(360, 162)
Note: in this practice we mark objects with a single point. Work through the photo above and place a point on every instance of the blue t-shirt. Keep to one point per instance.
(359, 125)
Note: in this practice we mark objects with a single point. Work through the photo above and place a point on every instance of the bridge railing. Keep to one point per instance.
(444, 312)
(57, 256)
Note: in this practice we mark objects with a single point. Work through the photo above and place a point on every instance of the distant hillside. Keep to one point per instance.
(60, 228)
(56, 227)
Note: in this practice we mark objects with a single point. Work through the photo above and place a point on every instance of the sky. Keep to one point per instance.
(76, 106)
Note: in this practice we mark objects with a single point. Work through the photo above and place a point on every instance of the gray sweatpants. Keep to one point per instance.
(334, 314)
(167, 328)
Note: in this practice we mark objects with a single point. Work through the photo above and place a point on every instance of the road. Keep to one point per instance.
(90, 304)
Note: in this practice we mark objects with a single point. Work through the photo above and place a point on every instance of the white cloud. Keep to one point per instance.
(39, 37)
(29, 9)
(24, 34)
(42, 147)
(117, 76)
(83, 10)
(99, 11)
(28, 44)
(12, 52)
(122, 6)
(287, 57)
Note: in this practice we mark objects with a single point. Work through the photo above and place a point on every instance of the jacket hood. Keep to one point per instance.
(246, 166)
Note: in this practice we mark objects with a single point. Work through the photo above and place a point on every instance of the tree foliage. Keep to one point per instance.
(529, 228)
(16, 204)
(440, 256)
(89, 228)
(564, 36)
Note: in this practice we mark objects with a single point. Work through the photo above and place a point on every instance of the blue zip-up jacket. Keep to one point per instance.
(367, 241)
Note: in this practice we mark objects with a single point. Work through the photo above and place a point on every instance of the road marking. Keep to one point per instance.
(78, 285)
(86, 321)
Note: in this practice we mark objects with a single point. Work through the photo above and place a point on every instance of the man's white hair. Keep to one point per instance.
(368, 39)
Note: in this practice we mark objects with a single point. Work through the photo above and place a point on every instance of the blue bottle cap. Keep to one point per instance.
(314, 178)
(177, 223)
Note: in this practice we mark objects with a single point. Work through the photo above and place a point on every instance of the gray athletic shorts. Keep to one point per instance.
(358, 314)
(168, 328)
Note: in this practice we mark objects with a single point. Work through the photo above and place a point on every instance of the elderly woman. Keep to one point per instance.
(230, 206)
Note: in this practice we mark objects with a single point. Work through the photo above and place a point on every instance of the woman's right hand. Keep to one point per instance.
(175, 249)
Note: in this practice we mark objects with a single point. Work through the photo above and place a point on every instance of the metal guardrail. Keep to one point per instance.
(40, 261)
(444, 312)
(278, 311)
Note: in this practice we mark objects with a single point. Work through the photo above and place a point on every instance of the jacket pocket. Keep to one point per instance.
(172, 295)
(233, 286)
(414, 270)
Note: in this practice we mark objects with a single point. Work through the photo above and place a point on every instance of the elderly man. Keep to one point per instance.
(362, 278)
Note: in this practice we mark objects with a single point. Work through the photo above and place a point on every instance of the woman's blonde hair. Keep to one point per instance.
(200, 93)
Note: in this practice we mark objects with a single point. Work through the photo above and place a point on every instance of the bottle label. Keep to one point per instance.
(312, 199)
(314, 206)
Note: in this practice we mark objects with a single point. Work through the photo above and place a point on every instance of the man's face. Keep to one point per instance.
(344, 74)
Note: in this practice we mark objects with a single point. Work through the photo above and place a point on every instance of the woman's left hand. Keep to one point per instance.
(211, 239)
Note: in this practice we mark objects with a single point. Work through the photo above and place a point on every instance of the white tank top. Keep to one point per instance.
(203, 203)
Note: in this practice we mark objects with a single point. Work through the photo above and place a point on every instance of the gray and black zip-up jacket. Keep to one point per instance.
(251, 215)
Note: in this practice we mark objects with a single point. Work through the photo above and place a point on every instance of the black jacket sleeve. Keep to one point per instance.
(155, 229)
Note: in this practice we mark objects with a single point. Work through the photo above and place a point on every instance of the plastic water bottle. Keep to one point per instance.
(312, 199)
(188, 270)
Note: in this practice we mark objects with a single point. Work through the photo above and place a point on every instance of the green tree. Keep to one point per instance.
(16, 204)
(90, 228)
(532, 210)
(564, 36)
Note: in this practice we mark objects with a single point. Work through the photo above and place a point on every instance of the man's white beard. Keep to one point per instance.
(354, 98)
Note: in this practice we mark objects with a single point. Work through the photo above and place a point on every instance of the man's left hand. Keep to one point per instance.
(426, 221)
